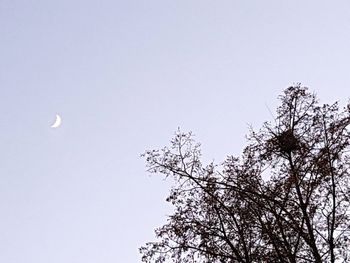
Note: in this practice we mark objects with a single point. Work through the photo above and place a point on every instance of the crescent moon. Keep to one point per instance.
(57, 122)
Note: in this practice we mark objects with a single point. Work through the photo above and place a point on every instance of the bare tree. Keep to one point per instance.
(229, 213)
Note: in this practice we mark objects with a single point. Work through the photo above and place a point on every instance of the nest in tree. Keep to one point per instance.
(287, 141)
(283, 143)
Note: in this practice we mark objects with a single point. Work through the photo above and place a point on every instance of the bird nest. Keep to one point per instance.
(287, 141)
(283, 143)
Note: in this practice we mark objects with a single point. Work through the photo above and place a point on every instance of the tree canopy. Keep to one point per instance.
(285, 199)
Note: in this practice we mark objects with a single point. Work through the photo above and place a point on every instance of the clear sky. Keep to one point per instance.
(124, 75)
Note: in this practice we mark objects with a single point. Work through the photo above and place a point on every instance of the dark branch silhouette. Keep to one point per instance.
(286, 199)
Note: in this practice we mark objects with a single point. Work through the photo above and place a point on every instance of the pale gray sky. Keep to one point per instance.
(124, 75)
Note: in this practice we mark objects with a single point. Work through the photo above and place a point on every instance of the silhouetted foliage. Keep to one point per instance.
(299, 213)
